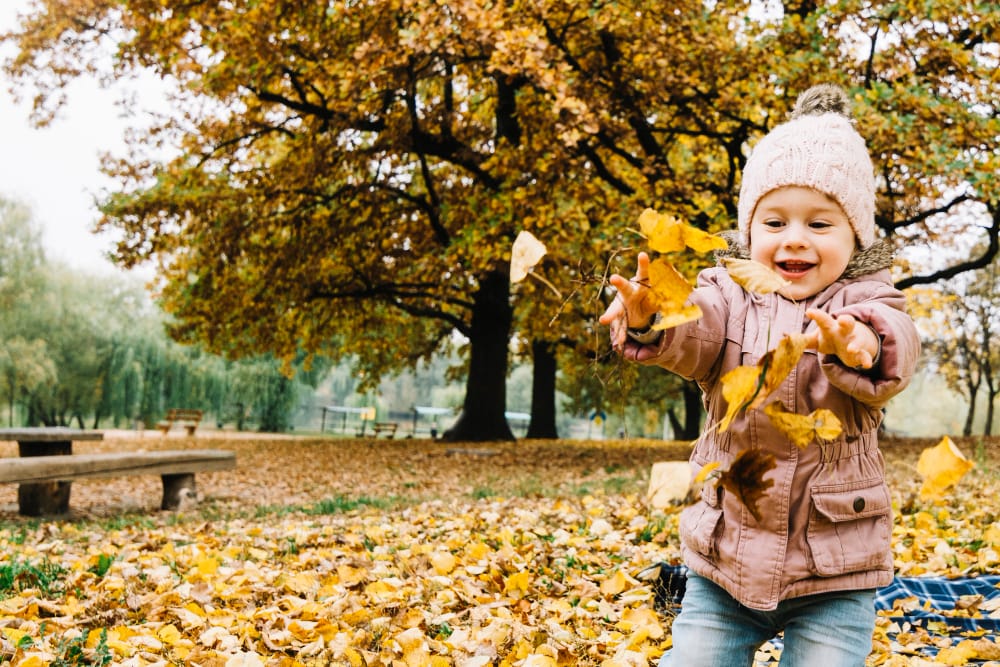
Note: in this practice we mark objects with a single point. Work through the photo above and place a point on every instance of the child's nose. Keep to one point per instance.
(796, 236)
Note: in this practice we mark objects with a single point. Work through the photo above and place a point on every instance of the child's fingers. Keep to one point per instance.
(642, 268)
(824, 322)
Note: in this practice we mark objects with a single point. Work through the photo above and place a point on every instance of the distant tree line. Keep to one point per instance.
(91, 351)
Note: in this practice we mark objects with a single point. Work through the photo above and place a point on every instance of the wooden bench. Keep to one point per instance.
(189, 418)
(389, 428)
(45, 479)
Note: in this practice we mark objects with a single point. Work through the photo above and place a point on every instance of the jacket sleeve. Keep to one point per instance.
(691, 350)
(883, 308)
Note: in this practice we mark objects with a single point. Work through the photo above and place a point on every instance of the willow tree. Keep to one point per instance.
(356, 171)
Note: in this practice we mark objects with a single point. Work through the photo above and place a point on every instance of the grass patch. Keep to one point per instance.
(17, 575)
(334, 505)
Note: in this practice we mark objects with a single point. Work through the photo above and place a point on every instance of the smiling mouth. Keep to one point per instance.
(794, 268)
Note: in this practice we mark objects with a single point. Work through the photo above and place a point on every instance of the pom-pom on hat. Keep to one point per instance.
(817, 148)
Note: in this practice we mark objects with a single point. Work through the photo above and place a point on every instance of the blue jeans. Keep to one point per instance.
(714, 630)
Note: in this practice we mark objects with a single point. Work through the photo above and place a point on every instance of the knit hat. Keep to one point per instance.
(817, 148)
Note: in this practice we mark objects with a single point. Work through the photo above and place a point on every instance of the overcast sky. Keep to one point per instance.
(55, 170)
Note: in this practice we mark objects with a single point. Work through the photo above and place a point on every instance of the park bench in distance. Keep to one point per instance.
(188, 418)
(389, 428)
(44, 479)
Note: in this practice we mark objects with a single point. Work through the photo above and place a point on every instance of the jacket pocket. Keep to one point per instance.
(701, 524)
(850, 527)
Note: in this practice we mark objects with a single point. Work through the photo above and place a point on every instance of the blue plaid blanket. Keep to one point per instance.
(936, 600)
(942, 606)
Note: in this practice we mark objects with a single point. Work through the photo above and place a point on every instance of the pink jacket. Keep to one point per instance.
(826, 521)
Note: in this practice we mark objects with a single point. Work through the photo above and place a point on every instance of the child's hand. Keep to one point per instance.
(855, 343)
(633, 306)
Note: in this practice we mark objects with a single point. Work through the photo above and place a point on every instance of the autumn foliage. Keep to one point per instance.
(348, 177)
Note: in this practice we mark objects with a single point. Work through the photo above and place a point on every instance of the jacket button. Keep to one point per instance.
(859, 504)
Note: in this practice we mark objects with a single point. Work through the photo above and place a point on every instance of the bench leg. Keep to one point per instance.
(43, 498)
(178, 489)
(191, 429)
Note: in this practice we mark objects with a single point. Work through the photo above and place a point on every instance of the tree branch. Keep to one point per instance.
(984, 260)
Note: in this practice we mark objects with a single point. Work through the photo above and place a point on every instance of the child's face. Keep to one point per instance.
(804, 236)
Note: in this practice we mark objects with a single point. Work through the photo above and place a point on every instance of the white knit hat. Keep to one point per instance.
(820, 149)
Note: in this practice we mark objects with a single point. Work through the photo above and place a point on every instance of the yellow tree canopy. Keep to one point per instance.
(350, 176)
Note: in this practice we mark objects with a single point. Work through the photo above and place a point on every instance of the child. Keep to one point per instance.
(811, 565)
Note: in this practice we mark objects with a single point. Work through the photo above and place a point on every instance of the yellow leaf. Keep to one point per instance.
(33, 661)
(670, 291)
(517, 583)
(244, 660)
(669, 482)
(739, 386)
(956, 655)
(351, 576)
(688, 313)
(705, 471)
(13, 635)
(169, 634)
(749, 386)
(820, 424)
(357, 660)
(615, 584)
(777, 364)
(443, 562)
(525, 253)
(207, 565)
(536, 660)
(666, 233)
(641, 619)
(941, 466)
(301, 582)
(753, 276)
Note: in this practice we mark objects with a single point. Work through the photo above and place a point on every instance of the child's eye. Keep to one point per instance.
(774, 224)
(819, 224)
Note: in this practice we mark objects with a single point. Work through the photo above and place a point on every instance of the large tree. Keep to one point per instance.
(356, 171)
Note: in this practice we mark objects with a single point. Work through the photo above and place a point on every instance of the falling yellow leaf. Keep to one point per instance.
(745, 478)
(705, 471)
(749, 386)
(666, 233)
(820, 424)
(739, 386)
(941, 466)
(525, 253)
(753, 276)
(670, 291)
(777, 364)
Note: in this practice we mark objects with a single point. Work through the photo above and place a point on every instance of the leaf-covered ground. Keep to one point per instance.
(409, 553)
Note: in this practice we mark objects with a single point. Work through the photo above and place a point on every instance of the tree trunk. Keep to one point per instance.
(482, 417)
(988, 430)
(543, 391)
(971, 414)
(692, 412)
(991, 397)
